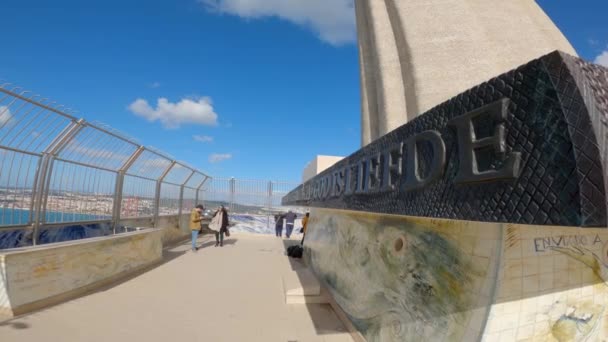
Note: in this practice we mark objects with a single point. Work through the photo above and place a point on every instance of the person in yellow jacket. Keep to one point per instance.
(195, 224)
(304, 226)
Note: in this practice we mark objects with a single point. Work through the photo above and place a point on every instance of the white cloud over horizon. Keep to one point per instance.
(219, 157)
(5, 115)
(154, 85)
(602, 59)
(202, 138)
(172, 115)
(332, 20)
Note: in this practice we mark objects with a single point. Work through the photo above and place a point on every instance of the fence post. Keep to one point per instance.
(120, 179)
(181, 200)
(157, 196)
(269, 203)
(232, 191)
(43, 175)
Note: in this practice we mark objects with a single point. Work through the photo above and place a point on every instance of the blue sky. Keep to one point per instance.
(250, 89)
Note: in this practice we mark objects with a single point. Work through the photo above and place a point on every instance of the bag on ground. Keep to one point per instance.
(295, 251)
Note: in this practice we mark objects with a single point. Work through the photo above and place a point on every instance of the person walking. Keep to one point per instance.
(195, 224)
(290, 219)
(278, 226)
(219, 223)
(304, 226)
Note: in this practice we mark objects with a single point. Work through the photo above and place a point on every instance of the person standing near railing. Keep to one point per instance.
(195, 224)
(290, 220)
(278, 225)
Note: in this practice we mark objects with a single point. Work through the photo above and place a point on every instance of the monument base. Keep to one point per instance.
(400, 278)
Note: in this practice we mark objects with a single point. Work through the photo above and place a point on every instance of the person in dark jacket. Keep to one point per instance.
(223, 225)
(290, 219)
(278, 226)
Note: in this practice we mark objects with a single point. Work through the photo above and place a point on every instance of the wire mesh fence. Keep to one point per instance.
(57, 169)
(138, 197)
(254, 204)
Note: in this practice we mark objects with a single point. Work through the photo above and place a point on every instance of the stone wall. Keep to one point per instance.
(35, 277)
(172, 230)
(404, 278)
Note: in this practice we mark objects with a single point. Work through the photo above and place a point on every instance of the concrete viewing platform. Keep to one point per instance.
(234, 293)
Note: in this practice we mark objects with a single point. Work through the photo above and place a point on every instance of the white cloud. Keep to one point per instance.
(219, 157)
(332, 20)
(602, 59)
(593, 42)
(202, 138)
(154, 85)
(5, 115)
(172, 115)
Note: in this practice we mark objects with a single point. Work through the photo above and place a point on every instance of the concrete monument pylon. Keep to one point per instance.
(416, 54)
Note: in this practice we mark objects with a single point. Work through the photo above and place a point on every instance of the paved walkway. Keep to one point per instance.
(234, 293)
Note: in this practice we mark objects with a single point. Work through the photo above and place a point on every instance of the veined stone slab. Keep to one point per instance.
(400, 278)
(36, 277)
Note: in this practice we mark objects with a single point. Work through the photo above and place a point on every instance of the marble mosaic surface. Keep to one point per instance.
(403, 278)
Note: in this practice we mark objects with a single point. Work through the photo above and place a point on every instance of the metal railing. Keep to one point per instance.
(246, 195)
(56, 169)
(252, 203)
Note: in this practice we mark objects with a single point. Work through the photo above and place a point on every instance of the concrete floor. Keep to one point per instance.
(234, 293)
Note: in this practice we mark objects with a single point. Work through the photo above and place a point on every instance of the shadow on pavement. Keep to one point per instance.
(210, 243)
(15, 324)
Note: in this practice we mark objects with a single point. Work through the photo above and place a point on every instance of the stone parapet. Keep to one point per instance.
(36, 277)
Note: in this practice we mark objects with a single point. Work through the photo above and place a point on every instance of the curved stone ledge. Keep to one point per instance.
(35, 277)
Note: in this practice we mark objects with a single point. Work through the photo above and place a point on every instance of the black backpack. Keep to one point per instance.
(295, 251)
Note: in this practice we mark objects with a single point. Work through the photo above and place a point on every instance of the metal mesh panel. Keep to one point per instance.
(79, 193)
(150, 165)
(178, 174)
(217, 191)
(94, 147)
(201, 196)
(17, 176)
(246, 195)
(189, 200)
(56, 170)
(26, 125)
(138, 197)
(169, 199)
(196, 180)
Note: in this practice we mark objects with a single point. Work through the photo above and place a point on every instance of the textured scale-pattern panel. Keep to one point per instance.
(551, 121)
